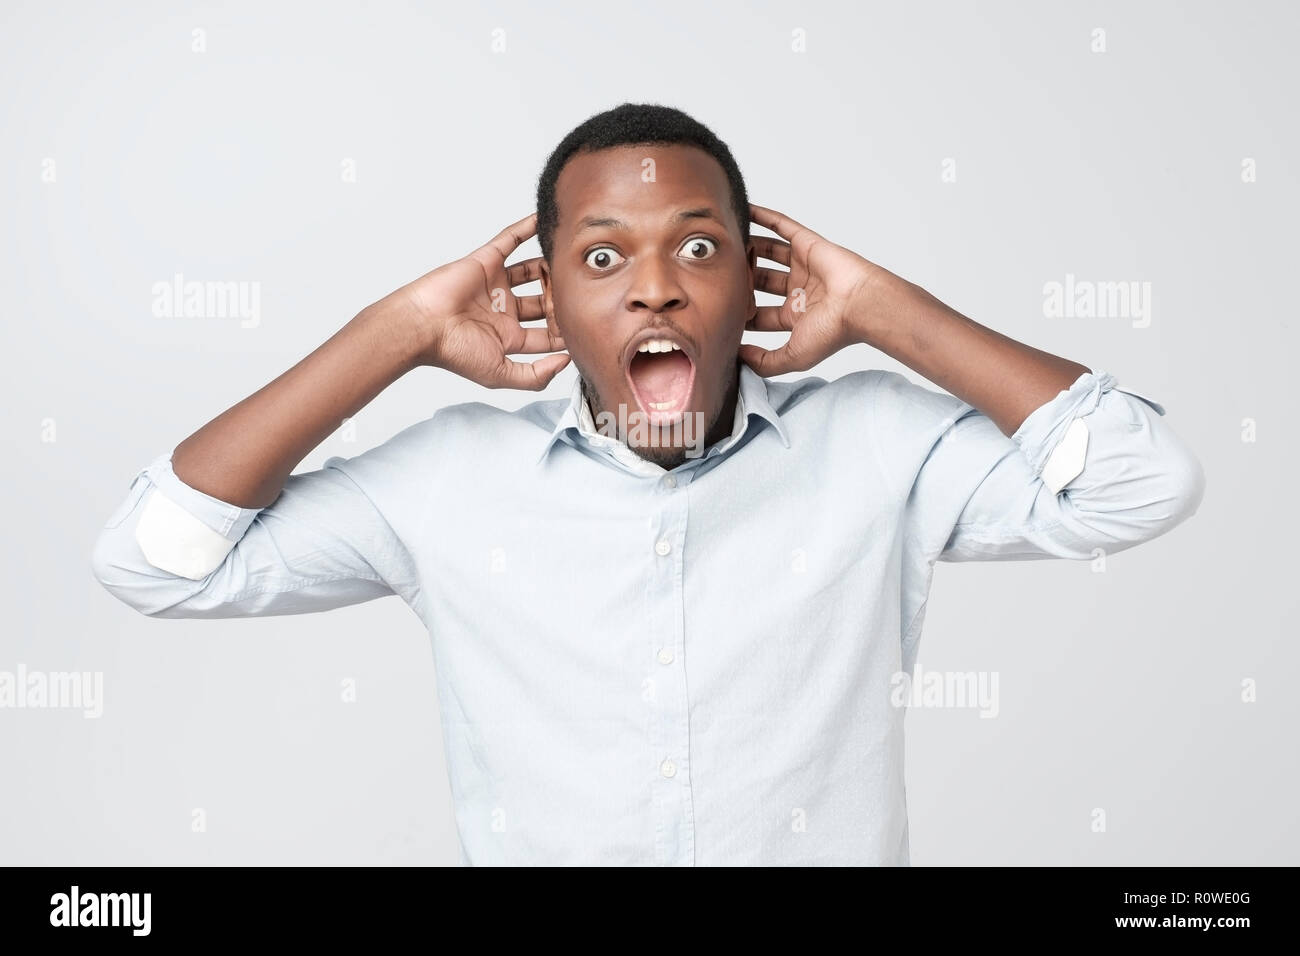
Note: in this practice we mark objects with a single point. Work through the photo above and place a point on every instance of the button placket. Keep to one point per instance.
(669, 737)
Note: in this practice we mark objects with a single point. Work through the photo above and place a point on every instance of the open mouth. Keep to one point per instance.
(662, 376)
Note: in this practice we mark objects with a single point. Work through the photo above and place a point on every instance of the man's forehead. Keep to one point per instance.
(673, 217)
(617, 186)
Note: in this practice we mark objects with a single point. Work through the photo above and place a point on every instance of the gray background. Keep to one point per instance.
(1119, 690)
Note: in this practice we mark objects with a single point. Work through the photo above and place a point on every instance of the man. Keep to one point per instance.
(657, 644)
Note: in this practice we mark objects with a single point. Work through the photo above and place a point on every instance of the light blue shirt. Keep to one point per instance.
(686, 667)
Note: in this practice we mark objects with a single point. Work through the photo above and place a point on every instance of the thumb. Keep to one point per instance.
(768, 362)
(531, 376)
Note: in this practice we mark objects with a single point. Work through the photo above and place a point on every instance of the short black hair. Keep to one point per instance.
(634, 124)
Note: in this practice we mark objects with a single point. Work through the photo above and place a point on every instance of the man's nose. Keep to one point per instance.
(655, 286)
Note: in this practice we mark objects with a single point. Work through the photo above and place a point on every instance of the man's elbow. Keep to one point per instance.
(1175, 494)
(1145, 506)
(116, 563)
(1188, 482)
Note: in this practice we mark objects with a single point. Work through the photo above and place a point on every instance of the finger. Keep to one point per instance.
(768, 362)
(779, 223)
(771, 280)
(770, 318)
(530, 376)
(530, 307)
(768, 247)
(534, 340)
(517, 273)
(513, 236)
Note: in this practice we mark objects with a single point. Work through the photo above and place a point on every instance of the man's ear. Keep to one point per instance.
(751, 256)
(548, 305)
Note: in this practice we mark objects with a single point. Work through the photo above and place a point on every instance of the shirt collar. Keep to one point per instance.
(751, 399)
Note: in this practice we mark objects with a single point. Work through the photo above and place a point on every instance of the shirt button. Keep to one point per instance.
(662, 546)
(665, 656)
(668, 768)
(671, 481)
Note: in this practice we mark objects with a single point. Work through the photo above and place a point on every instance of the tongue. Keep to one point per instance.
(661, 376)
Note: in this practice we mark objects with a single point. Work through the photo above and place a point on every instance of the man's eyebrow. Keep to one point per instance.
(594, 222)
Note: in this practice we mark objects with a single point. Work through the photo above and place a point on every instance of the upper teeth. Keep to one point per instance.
(658, 345)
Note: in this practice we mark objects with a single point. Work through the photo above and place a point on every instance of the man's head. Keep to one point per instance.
(643, 220)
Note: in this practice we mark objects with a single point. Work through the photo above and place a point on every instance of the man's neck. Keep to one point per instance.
(726, 421)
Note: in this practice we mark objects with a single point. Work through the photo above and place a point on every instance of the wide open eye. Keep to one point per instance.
(604, 253)
(694, 245)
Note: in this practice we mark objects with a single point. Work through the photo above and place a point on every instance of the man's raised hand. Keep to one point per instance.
(468, 319)
(826, 290)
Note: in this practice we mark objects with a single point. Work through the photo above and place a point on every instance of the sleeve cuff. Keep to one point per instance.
(1055, 435)
(184, 531)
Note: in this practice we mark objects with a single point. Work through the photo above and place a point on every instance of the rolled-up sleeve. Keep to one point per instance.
(172, 551)
(1094, 468)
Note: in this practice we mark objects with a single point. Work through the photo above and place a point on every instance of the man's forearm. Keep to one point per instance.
(245, 454)
(1003, 378)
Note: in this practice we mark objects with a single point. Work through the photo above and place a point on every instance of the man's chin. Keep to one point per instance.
(666, 458)
(670, 445)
